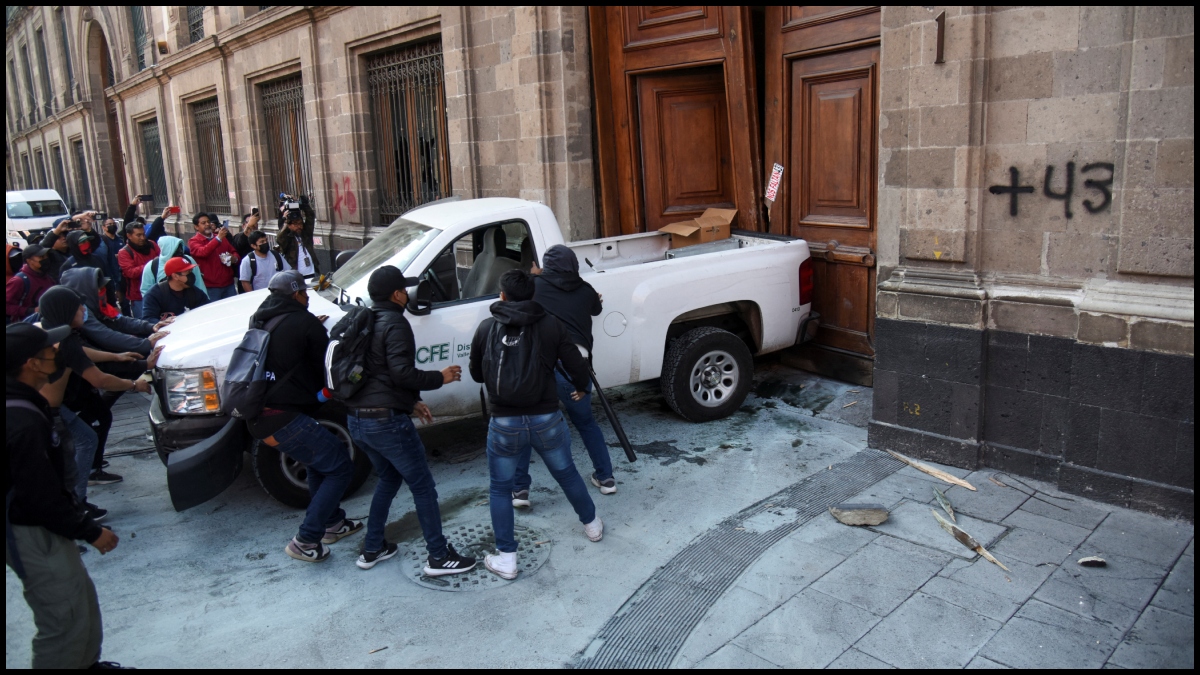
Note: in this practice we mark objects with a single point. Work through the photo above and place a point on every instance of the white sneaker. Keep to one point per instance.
(520, 500)
(595, 529)
(607, 487)
(503, 565)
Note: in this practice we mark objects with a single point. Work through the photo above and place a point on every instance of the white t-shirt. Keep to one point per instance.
(266, 268)
(304, 263)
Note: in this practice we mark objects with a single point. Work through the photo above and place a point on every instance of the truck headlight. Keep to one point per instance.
(191, 391)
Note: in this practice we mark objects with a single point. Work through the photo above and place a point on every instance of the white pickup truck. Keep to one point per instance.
(692, 316)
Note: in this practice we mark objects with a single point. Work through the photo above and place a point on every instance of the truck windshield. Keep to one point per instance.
(399, 245)
(38, 209)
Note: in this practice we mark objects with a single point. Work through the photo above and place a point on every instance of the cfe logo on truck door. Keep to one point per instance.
(439, 352)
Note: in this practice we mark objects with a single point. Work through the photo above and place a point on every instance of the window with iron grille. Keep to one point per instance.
(60, 175)
(137, 19)
(69, 98)
(28, 173)
(83, 191)
(44, 68)
(39, 162)
(408, 111)
(286, 136)
(214, 195)
(195, 15)
(30, 95)
(156, 178)
(15, 94)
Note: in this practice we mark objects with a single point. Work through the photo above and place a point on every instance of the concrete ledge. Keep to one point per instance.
(1143, 495)
(963, 454)
(1021, 462)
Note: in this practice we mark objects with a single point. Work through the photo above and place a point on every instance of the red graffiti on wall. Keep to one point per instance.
(344, 196)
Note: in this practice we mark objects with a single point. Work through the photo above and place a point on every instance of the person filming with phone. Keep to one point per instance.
(215, 255)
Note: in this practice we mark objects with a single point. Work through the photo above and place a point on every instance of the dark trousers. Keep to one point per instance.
(330, 471)
(95, 412)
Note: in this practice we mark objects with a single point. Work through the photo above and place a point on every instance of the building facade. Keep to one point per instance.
(999, 202)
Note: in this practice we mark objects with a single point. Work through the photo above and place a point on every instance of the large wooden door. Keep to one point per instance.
(822, 66)
(677, 119)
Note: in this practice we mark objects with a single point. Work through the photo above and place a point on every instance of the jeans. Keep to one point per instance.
(85, 443)
(580, 413)
(96, 412)
(329, 473)
(135, 309)
(220, 293)
(508, 444)
(398, 455)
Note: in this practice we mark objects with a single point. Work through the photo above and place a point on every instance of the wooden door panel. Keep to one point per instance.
(686, 158)
(834, 127)
(663, 25)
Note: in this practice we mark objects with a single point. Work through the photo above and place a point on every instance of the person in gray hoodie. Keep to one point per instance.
(105, 328)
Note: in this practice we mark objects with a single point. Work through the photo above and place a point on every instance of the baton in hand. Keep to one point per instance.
(612, 417)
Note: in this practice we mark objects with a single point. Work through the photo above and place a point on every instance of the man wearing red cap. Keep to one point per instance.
(174, 295)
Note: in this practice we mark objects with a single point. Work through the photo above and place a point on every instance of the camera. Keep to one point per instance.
(101, 217)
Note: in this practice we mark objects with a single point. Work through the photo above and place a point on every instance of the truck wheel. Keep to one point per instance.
(706, 374)
(286, 480)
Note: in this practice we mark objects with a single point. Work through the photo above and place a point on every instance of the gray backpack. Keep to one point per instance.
(246, 384)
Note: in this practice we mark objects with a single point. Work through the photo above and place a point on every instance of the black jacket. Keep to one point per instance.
(394, 380)
(160, 299)
(556, 345)
(296, 355)
(36, 470)
(111, 334)
(568, 297)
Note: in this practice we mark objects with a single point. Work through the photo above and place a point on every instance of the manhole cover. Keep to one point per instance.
(533, 550)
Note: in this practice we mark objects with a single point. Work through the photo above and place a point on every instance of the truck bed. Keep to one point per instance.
(637, 249)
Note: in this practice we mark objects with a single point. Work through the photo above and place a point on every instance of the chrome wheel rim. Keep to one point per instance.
(714, 378)
(297, 472)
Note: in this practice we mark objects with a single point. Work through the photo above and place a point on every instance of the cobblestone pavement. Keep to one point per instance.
(729, 514)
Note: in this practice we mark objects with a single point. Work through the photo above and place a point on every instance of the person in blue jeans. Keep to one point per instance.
(514, 354)
(560, 290)
(378, 414)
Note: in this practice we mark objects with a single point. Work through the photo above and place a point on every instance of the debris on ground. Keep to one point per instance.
(936, 473)
(966, 539)
(1093, 561)
(1032, 492)
(377, 650)
(945, 504)
(849, 404)
(859, 514)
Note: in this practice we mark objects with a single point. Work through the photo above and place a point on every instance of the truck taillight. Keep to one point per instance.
(806, 281)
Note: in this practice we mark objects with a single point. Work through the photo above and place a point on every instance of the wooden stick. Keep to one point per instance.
(936, 473)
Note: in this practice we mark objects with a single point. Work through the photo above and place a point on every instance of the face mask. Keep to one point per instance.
(85, 247)
(191, 279)
(263, 248)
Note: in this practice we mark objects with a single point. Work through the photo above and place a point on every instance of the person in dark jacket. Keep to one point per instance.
(57, 253)
(561, 292)
(378, 417)
(295, 249)
(25, 288)
(176, 294)
(83, 247)
(43, 517)
(295, 363)
(105, 328)
(517, 427)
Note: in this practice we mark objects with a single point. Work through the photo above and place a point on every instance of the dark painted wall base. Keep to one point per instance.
(1116, 425)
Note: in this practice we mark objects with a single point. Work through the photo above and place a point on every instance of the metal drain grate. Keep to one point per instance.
(533, 550)
(652, 625)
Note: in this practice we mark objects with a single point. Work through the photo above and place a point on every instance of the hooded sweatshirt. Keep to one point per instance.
(554, 344)
(295, 361)
(18, 303)
(561, 291)
(104, 328)
(86, 251)
(154, 272)
(132, 260)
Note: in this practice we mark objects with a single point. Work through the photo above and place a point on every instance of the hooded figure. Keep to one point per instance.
(84, 248)
(105, 328)
(561, 291)
(153, 272)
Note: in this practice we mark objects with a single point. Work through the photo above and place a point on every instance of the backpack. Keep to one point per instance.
(346, 356)
(512, 369)
(24, 298)
(254, 263)
(246, 384)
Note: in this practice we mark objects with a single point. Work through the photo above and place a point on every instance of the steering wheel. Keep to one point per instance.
(437, 285)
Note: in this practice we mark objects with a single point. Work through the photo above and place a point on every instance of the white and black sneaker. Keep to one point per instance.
(607, 486)
(343, 529)
(369, 559)
(453, 563)
(307, 552)
(520, 499)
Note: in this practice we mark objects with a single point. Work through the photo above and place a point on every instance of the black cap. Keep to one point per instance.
(22, 341)
(32, 251)
(387, 280)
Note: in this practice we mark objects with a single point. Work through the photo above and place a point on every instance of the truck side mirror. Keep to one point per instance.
(343, 258)
(421, 303)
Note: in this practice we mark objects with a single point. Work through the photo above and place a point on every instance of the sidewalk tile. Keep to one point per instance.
(1178, 592)
(1036, 539)
(1076, 513)
(927, 632)
(1041, 636)
(980, 663)
(731, 657)
(808, 631)
(1159, 639)
(735, 611)
(788, 568)
(1191, 549)
(986, 589)
(912, 522)
(827, 533)
(852, 659)
(894, 488)
(1114, 594)
(989, 502)
(1142, 536)
(882, 575)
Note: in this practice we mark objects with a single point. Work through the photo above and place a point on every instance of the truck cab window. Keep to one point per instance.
(471, 266)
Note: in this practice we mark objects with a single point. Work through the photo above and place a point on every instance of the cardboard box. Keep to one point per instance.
(713, 225)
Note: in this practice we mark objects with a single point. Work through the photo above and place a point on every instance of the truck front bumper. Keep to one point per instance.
(203, 454)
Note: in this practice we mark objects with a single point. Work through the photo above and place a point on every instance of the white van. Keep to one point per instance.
(28, 212)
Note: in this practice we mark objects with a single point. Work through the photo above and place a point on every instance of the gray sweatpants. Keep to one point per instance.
(62, 597)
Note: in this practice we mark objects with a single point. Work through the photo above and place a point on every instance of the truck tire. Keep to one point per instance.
(286, 480)
(706, 374)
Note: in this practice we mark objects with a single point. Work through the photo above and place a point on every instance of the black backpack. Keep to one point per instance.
(254, 263)
(346, 356)
(513, 372)
(246, 384)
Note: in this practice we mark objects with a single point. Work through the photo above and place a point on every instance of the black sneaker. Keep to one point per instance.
(104, 464)
(102, 477)
(97, 514)
(369, 559)
(453, 563)
(520, 499)
(109, 665)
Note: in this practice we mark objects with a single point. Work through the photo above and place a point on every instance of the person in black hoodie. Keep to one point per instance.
(42, 516)
(83, 246)
(561, 292)
(378, 418)
(295, 363)
(514, 354)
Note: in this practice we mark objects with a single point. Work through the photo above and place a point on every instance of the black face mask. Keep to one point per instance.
(112, 229)
(191, 279)
(263, 248)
